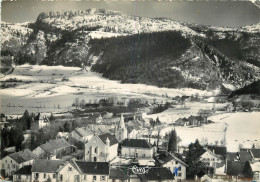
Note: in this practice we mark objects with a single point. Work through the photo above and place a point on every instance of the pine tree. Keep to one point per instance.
(172, 145)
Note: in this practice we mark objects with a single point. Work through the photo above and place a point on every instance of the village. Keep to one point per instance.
(117, 141)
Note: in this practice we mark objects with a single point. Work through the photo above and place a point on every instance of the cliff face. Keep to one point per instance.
(133, 49)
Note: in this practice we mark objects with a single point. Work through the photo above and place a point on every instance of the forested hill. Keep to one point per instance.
(132, 49)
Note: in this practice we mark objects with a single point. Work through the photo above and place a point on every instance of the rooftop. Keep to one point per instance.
(55, 144)
(101, 168)
(138, 143)
(166, 157)
(158, 174)
(25, 170)
(46, 166)
(22, 156)
(83, 131)
(116, 173)
(111, 138)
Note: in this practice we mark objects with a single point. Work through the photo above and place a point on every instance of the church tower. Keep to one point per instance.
(120, 130)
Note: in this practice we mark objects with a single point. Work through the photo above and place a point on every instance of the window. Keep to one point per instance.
(179, 174)
(69, 168)
(13, 166)
(176, 162)
(85, 177)
(61, 177)
(88, 152)
(8, 166)
(96, 150)
(44, 175)
(136, 155)
(53, 176)
(11, 161)
(102, 178)
(19, 176)
(94, 178)
(143, 155)
(5, 161)
(95, 159)
(180, 168)
(36, 175)
(213, 159)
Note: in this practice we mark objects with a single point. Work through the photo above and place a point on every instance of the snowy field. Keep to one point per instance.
(242, 128)
(55, 87)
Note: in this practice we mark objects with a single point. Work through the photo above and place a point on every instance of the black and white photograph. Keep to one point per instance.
(130, 91)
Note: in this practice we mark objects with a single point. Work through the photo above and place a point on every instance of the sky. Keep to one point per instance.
(216, 13)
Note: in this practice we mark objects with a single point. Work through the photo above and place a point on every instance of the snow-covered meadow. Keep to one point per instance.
(57, 86)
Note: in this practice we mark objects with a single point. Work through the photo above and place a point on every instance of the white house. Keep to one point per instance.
(39, 122)
(55, 171)
(93, 171)
(171, 162)
(101, 148)
(14, 161)
(210, 158)
(82, 134)
(121, 130)
(132, 132)
(23, 174)
(136, 148)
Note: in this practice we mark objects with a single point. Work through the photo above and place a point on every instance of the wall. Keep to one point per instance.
(9, 165)
(89, 177)
(41, 176)
(172, 164)
(39, 152)
(68, 173)
(23, 178)
(131, 151)
(210, 159)
(90, 150)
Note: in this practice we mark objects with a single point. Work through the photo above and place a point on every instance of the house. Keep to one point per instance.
(82, 135)
(255, 167)
(14, 161)
(121, 130)
(54, 149)
(255, 153)
(202, 176)
(117, 175)
(95, 118)
(23, 174)
(3, 121)
(111, 120)
(132, 132)
(232, 156)
(55, 170)
(218, 150)
(210, 158)
(244, 156)
(182, 122)
(93, 171)
(239, 170)
(101, 148)
(39, 122)
(136, 148)
(155, 174)
(196, 120)
(63, 135)
(172, 162)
